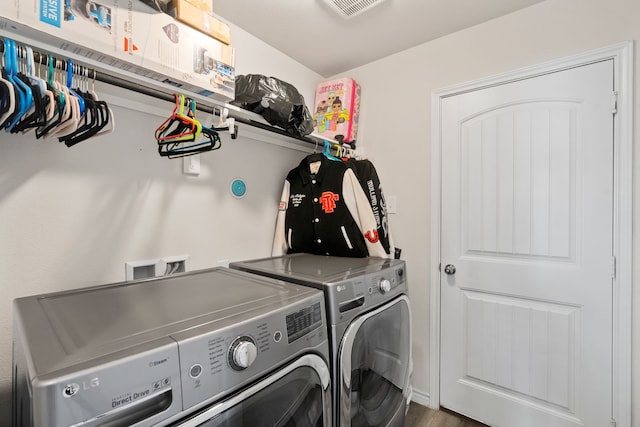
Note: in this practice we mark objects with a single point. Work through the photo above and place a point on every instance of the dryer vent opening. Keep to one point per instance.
(350, 8)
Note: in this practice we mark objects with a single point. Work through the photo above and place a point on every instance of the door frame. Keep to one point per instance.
(622, 55)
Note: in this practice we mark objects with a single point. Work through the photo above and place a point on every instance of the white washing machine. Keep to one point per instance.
(369, 322)
(216, 347)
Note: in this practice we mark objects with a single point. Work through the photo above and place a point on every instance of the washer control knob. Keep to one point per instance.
(385, 285)
(242, 353)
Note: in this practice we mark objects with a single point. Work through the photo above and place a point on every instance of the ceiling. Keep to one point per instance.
(313, 34)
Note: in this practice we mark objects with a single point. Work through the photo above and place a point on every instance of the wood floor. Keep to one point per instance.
(421, 416)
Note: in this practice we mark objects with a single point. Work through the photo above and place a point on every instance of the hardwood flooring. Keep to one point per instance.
(421, 416)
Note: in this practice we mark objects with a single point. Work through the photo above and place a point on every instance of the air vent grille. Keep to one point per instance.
(350, 8)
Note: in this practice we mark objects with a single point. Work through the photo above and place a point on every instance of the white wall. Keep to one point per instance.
(72, 217)
(395, 123)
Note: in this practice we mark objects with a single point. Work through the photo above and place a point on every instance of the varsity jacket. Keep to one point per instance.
(324, 211)
(370, 183)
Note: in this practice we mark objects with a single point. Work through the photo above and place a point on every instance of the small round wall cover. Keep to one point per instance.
(238, 188)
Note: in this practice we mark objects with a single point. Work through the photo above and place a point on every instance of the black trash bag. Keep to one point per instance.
(277, 101)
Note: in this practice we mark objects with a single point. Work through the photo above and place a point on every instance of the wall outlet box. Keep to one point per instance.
(156, 267)
(174, 264)
(144, 269)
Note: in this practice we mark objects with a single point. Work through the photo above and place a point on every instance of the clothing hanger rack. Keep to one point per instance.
(208, 106)
(52, 108)
(166, 95)
(43, 59)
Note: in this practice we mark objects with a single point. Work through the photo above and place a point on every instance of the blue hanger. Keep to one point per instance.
(73, 92)
(24, 91)
(8, 68)
(327, 152)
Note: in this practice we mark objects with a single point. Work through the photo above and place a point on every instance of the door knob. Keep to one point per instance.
(450, 269)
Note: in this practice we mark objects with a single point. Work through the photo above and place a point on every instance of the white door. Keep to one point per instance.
(527, 199)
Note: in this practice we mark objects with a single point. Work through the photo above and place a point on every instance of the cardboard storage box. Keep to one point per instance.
(129, 35)
(191, 14)
(196, 13)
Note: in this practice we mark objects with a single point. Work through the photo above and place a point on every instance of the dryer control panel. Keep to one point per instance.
(348, 298)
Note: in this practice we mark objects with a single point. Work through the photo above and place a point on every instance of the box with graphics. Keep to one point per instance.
(130, 36)
(336, 109)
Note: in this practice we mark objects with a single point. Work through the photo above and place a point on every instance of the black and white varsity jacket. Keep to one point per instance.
(323, 210)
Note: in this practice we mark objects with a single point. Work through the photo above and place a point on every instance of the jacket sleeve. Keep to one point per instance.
(280, 243)
(358, 204)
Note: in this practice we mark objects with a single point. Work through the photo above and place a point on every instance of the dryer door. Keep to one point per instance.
(296, 395)
(375, 364)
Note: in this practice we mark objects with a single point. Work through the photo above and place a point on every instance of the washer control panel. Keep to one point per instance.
(220, 361)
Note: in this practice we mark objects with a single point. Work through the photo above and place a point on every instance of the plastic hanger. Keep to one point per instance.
(33, 72)
(77, 125)
(49, 95)
(109, 120)
(176, 150)
(20, 107)
(7, 95)
(69, 112)
(174, 135)
(76, 104)
(36, 116)
(24, 91)
(96, 118)
(6, 98)
(70, 72)
(60, 101)
(327, 151)
(90, 118)
(179, 127)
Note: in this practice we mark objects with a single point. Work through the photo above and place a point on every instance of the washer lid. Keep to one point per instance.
(66, 328)
(316, 270)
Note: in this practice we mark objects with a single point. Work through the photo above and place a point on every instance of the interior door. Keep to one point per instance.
(526, 252)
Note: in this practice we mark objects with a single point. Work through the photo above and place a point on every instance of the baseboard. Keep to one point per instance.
(420, 397)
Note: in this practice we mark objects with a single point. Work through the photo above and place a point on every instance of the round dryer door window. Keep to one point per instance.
(375, 359)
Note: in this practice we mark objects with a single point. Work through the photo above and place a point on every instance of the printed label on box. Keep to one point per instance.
(50, 11)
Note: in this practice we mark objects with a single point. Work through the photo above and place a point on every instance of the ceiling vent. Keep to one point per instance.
(350, 8)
